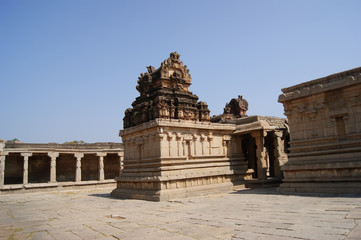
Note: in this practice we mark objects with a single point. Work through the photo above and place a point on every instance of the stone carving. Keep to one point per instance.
(236, 108)
(164, 93)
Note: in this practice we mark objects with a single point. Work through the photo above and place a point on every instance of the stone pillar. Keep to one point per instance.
(101, 166)
(26, 166)
(278, 153)
(53, 156)
(210, 139)
(78, 156)
(261, 154)
(121, 161)
(226, 146)
(2, 168)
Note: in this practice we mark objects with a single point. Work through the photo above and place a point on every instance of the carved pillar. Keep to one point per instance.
(179, 144)
(101, 166)
(261, 154)
(194, 138)
(203, 138)
(121, 162)
(78, 156)
(53, 156)
(169, 139)
(2, 168)
(210, 138)
(26, 166)
(226, 146)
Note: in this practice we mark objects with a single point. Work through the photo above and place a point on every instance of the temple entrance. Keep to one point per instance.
(249, 150)
(270, 156)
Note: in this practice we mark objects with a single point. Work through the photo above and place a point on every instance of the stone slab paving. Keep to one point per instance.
(245, 214)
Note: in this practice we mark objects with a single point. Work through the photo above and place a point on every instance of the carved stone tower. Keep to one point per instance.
(171, 149)
(164, 93)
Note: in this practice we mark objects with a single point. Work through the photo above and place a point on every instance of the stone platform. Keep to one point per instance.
(246, 214)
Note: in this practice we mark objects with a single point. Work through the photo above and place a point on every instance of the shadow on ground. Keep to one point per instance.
(273, 191)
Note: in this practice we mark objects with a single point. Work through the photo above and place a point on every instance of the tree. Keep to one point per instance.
(75, 142)
(15, 140)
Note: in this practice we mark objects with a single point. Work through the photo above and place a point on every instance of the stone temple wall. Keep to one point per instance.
(325, 129)
(166, 159)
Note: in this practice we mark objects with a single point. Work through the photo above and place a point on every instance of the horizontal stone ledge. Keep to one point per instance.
(341, 167)
(177, 177)
(177, 124)
(325, 152)
(182, 167)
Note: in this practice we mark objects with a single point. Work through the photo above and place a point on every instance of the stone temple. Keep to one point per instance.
(172, 149)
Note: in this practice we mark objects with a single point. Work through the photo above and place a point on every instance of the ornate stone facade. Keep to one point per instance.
(165, 159)
(325, 128)
(164, 93)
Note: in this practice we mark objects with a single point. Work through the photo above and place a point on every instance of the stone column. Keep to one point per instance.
(101, 165)
(53, 156)
(2, 168)
(78, 156)
(278, 153)
(261, 154)
(210, 139)
(121, 160)
(26, 166)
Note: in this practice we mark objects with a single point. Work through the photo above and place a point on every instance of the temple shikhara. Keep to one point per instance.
(173, 148)
(164, 93)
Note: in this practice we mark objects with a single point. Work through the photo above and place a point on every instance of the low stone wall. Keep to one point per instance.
(25, 166)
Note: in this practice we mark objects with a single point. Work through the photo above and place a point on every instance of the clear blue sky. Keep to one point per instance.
(69, 68)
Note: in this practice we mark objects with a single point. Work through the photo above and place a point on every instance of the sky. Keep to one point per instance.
(69, 68)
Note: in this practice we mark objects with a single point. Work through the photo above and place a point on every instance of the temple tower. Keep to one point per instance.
(171, 149)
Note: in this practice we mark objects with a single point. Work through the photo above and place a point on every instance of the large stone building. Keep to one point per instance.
(171, 149)
(325, 128)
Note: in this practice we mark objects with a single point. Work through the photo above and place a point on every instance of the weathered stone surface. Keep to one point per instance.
(235, 109)
(166, 159)
(246, 214)
(325, 128)
(164, 93)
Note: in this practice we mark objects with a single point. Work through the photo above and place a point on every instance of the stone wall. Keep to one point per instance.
(166, 159)
(325, 128)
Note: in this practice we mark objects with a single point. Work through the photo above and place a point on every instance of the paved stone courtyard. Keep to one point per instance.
(246, 214)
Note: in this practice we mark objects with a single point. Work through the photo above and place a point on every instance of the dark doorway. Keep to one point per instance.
(89, 167)
(39, 168)
(14, 164)
(65, 167)
(111, 166)
(270, 147)
(249, 150)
